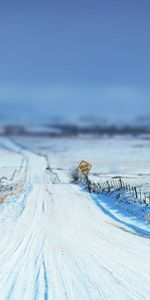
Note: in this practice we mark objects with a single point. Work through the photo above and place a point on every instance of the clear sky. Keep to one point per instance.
(71, 58)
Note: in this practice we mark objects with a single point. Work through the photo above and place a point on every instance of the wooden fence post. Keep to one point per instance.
(108, 185)
(120, 181)
(136, 195)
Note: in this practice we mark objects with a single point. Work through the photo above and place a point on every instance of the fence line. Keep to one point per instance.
(118, 186)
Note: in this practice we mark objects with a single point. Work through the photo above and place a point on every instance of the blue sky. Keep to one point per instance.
(72, 58)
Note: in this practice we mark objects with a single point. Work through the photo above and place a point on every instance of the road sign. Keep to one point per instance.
(84, 167)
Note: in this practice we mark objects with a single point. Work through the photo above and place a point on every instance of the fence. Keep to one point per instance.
(8, 184)
(117, 187)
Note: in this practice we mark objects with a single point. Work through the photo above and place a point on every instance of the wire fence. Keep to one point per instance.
(7, 184)
(136, 194)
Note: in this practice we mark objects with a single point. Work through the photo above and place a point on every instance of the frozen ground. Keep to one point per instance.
(56, 242)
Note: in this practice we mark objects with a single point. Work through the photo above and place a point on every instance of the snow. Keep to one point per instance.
(56, 243)
(131, 215)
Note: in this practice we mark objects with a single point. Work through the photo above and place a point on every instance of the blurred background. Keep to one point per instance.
(75, 62)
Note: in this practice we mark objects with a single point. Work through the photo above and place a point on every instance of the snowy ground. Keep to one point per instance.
(56, 241)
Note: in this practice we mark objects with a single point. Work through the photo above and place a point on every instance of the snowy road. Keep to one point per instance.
(62, 246)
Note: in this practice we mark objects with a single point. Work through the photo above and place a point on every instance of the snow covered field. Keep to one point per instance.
(58, 241)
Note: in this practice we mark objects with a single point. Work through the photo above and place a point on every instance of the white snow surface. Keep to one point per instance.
(62, 246)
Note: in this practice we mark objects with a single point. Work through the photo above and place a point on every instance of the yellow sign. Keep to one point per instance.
(84, 167)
